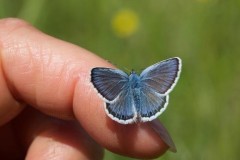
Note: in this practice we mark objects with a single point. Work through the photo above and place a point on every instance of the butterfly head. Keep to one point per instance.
(132, 72)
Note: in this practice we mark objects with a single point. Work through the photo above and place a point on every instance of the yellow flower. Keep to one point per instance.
(125, 22)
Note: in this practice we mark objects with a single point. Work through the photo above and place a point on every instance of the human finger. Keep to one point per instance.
(45, 137)
(54, 76)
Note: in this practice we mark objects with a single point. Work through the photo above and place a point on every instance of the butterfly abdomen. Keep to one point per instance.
(136, 98)
(135, 86)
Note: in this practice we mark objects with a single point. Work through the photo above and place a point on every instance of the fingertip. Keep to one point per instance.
(132, 140)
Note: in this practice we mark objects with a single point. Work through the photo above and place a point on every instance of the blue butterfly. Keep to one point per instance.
(137, 98)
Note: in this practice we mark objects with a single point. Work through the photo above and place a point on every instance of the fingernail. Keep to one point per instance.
(158, 127)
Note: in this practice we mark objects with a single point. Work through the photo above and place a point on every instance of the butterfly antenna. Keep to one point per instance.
(110, 62)
(127, 69)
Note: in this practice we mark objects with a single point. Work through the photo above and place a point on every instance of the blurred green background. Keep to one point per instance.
(204, 111)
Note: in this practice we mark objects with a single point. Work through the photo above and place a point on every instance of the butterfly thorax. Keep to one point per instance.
(134, 80)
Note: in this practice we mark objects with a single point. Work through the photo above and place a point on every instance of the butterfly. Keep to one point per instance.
(137, 98)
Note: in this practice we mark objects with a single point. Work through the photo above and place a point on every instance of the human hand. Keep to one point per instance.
(45, 93)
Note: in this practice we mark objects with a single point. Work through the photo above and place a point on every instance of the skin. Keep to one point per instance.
(48, 107)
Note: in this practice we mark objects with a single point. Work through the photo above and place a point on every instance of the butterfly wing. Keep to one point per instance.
(162, 76)
(122, 109)
(108, 82)
(152, 104)
(112, 84)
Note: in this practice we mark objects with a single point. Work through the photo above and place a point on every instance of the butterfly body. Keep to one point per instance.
(134, 89)
(134, 80)
(132, 98)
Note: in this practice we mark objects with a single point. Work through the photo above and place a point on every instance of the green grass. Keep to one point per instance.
(204, 111)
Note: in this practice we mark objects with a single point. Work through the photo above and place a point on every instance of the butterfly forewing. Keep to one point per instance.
(108, 82)
(162, 76)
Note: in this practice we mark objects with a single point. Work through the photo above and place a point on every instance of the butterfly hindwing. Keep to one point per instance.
(152, 104)
(162, 76)
(122, 109)
(108, 82)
